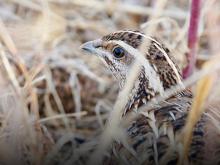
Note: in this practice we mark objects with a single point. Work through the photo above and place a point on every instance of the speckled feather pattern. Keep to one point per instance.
(154, 135)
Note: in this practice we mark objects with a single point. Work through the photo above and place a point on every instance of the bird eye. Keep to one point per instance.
(118, 52)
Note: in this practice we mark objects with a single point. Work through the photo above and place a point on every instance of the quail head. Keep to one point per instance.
(154, 137)
(117, 51)
(114, 50)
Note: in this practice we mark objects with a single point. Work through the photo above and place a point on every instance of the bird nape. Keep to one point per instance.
(154, 136)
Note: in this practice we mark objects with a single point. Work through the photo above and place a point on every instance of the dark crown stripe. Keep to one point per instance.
(133, 38)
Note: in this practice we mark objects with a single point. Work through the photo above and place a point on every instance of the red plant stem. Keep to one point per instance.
(192, 37)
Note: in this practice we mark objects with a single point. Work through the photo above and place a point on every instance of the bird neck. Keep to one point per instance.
(141, 94)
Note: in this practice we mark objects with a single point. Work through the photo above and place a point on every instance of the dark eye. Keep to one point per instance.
(118, 52)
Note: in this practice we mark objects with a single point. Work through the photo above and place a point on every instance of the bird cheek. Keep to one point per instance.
(107, 60)
(128, 61)
(122, 61)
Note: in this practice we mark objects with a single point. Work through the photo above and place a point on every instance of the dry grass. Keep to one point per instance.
(53, 94)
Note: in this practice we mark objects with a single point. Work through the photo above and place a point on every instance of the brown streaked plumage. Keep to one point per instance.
(154, 137)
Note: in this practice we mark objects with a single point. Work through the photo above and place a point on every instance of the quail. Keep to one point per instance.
(154, 137)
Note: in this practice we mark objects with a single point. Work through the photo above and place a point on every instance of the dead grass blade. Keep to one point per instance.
(202, 92)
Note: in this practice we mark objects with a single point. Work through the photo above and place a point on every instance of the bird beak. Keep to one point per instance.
(91, 46)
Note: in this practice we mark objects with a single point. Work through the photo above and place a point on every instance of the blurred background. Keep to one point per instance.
(56, 95)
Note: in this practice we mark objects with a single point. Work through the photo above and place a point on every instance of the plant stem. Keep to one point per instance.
(192, 37)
